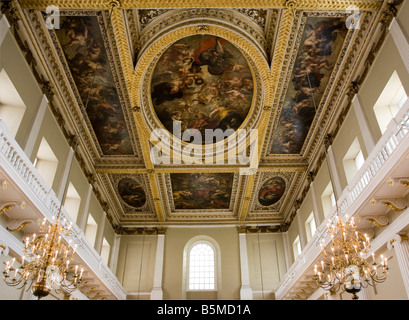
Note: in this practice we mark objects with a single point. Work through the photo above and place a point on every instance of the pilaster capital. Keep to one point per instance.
(397, 240)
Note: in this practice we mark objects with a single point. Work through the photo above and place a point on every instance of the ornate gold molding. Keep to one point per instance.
(5, 208)
(396, 204)
(3, 184)
(378, 221)
(17, 225)
(8, 205)
(174, 4)
(193, 169)
(117, 20)
(392, 206)
(403, 181)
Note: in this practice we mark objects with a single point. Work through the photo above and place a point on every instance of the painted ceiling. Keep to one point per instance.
(131, 68)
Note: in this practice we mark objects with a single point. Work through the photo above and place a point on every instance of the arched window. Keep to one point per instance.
(202, 267)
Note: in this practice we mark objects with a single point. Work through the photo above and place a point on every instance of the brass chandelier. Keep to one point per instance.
(46, 262)
(344, 264)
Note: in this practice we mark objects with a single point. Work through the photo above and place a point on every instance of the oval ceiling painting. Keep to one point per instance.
(131, 192)
(271, 191)
(202, 82)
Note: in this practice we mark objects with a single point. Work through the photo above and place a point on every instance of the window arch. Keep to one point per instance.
(202, 267)
(190, 251)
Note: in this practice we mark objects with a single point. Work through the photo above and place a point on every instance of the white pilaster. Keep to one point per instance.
(157, 292)
(401, 245)
(4, 27)
(32, 133)
(83, 216)
(65, 176)
(246, 293)
(114, 253)
(334, 172)
(287, 250)
(100, 233)
(317, 217)
(401, 41)
(301, 230)
(363, 124)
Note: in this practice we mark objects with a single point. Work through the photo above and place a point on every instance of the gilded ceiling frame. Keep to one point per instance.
(147, 4)
(133, 84)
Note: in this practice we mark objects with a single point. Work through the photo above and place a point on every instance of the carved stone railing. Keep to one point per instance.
(391, 147)
(19, 168)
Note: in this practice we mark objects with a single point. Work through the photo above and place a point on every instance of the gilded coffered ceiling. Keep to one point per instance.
(283, 68)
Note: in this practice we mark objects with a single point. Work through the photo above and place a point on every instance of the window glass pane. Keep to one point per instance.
(359, 160)
(333, 201)
(201, 267)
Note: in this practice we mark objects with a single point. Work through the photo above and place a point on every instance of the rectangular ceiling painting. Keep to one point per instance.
(202, 190)
(81, 41)
(320, 46)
